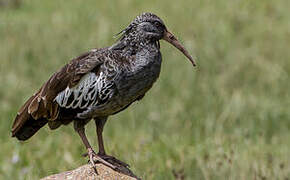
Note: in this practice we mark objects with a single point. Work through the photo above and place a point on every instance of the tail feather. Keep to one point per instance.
(25, 125)
(29, 128)
(22, 116)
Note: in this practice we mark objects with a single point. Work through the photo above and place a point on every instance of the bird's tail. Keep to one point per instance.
(25, 125)
(29, 128)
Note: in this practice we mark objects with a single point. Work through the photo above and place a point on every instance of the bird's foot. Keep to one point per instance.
(93, 157)
(113, 160)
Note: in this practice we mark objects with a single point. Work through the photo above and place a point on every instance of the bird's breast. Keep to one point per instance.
(140, 77)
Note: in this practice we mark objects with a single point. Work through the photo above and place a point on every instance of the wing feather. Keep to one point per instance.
(42, 104)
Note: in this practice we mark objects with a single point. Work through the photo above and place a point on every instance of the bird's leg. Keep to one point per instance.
(100, 123)
(79, 127)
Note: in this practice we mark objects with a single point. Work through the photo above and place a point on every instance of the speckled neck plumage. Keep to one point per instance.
(130, 44)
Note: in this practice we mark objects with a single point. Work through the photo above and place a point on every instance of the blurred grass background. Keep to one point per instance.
(227, 119)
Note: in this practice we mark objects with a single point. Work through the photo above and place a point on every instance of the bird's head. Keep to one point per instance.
(148, 28)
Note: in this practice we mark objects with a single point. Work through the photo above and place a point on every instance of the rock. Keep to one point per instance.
(86, 172)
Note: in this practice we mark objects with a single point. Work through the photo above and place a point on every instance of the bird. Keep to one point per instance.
(99, 84)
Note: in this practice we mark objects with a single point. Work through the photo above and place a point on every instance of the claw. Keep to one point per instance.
(93, 157)
(91, 154)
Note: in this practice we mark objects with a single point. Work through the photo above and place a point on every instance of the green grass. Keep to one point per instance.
(227, 119)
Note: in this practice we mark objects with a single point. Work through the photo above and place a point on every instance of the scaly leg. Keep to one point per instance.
(79, 127)
(100, 123)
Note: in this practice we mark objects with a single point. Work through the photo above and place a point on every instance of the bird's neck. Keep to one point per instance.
(145, 54)
(130, 48)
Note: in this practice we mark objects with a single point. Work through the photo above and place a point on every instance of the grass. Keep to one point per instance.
(227, 119)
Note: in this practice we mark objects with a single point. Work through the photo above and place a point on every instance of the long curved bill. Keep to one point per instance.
(172, 40)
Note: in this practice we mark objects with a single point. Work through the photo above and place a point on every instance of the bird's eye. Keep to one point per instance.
(157, 23)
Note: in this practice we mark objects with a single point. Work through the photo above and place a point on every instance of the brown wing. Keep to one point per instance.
(41, 106)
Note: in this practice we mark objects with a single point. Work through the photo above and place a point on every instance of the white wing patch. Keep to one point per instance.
(90, 91)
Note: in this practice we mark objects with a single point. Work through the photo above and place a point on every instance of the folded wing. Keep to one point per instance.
(42, 106)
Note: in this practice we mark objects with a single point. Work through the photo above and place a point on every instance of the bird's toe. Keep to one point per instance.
(114, 160)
